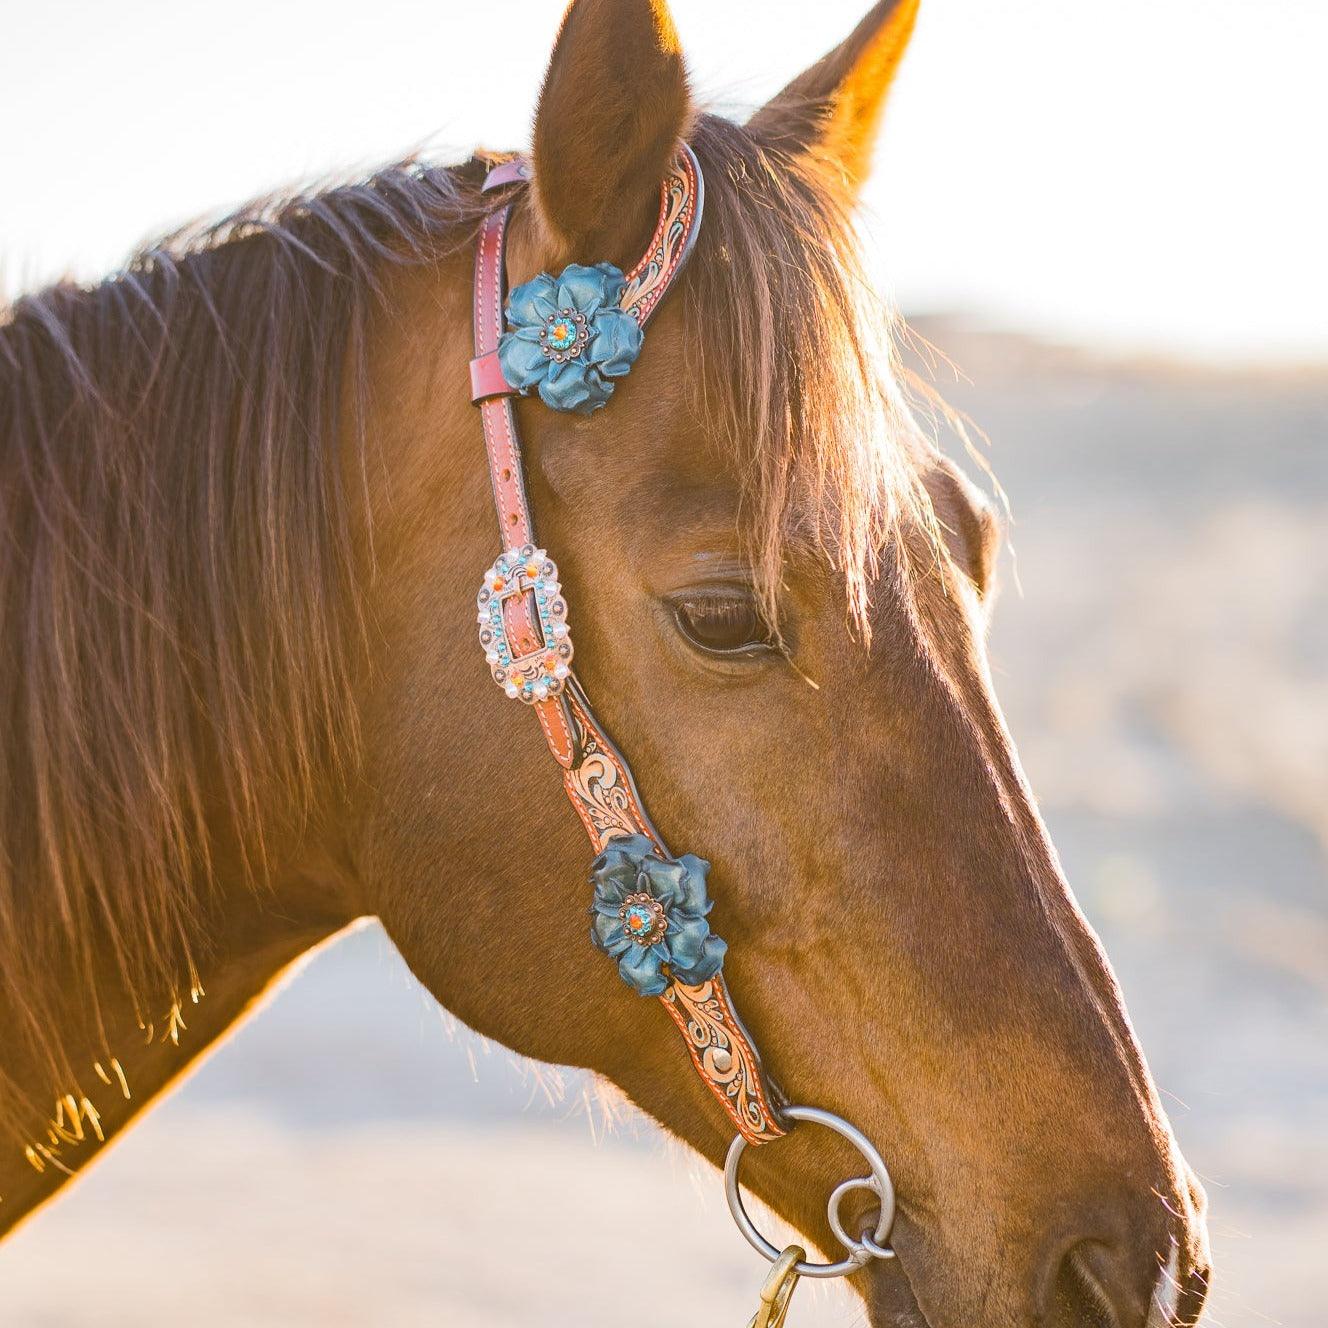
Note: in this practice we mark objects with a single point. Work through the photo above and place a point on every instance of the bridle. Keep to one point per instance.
(567, 338)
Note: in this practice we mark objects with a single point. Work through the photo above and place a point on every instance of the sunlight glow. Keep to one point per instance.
(1145, 173)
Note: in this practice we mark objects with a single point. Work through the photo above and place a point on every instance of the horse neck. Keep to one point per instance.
(121, 1061)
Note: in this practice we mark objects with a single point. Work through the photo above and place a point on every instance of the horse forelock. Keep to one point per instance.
(793, 361)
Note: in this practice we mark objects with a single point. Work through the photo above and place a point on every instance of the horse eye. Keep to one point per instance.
(724, 624)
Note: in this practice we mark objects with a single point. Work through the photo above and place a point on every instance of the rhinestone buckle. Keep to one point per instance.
(537, 667)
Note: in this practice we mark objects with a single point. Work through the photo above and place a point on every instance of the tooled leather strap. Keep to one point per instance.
(596, 777)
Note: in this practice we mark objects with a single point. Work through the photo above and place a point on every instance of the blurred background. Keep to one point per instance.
(1108, 220)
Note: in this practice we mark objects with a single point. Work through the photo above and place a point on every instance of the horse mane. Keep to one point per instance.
(179, 618)
(177, 611)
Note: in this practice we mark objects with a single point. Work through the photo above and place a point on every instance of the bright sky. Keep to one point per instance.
(1148, 173)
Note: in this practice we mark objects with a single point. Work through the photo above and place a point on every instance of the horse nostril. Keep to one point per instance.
(1089, 1291)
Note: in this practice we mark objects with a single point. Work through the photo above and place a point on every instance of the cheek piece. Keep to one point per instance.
(568, 339)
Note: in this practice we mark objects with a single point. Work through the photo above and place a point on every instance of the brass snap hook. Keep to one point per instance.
(778, 1289)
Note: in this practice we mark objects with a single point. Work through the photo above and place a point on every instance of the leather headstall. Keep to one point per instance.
(523, 626)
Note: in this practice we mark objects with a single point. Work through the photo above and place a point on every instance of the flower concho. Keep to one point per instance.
(569, 337)
(650, 915)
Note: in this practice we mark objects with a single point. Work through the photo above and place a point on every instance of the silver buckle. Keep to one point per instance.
(542, 672)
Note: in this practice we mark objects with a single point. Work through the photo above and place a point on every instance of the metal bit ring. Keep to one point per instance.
(872, 1245)
(867, 1239)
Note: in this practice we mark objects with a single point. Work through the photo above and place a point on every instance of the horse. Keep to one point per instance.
(243, 510)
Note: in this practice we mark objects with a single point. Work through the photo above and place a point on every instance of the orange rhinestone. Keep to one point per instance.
(498, 583)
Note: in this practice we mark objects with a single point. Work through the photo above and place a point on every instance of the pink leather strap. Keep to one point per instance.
(486, 378)
(500, 437)
(506, 473)
(515, 171)
(597, 779)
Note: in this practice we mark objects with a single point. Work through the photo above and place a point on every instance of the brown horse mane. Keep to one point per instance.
(180, 615)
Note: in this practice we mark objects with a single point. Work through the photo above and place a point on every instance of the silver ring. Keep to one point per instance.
(871, 1245)
(867, 1240)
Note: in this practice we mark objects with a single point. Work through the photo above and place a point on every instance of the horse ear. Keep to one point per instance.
(834, 108)
(613, 108)
(968, 523)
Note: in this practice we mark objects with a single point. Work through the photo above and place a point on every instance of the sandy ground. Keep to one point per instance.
(350, 1161)
(347, 1161)
(412, 1226)
(351, 1158)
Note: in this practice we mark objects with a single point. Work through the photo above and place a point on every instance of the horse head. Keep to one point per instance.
(780, 591)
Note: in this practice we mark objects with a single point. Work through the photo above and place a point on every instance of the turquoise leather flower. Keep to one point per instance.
(650, 915)
(569, 338)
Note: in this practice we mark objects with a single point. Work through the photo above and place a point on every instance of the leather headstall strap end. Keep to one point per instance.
(492, 394)
(515, 170)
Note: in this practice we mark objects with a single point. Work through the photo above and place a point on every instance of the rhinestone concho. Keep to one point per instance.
(539, 673)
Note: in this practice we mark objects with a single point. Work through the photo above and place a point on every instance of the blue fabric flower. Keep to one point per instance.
(650, 915)
(569, 338)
